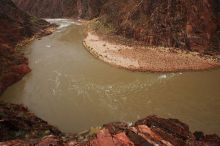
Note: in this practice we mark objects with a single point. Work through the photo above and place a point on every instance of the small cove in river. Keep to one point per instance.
(74, 91)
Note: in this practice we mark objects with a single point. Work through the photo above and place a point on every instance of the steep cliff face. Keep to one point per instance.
(15, 26)
(89, 8)
(192, 25)
(16, 22)
(61, 8)
(49, 8)
(189, 24)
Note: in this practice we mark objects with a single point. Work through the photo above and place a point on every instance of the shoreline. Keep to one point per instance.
(151, 130)
(17, 72)
(143, 58)
(44, 32)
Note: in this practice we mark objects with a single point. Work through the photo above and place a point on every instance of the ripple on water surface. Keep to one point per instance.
(74, 91)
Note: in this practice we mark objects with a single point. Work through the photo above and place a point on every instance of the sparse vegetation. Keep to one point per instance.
(100, 26)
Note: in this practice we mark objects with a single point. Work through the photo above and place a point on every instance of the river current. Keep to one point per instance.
(74, 91)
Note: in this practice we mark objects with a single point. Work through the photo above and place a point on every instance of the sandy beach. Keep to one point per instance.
(144, 58)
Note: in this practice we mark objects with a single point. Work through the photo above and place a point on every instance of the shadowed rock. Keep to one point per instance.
(150, 131)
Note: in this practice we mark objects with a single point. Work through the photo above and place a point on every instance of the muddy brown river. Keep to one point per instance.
(74, 91)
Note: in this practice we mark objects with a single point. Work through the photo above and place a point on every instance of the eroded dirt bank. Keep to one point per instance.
(20, 127)
(16, 31)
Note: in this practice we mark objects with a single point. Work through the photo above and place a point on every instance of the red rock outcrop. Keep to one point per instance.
(18, 126)
(15, 26)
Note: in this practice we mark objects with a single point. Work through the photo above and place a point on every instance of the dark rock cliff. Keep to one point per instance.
(49, 8)
(17, 122)
(15, 26)
(61, 8)
(89, 8)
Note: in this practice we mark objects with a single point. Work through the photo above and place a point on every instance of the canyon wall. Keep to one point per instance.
(89, 8)
(49, 8)
(189, 24)
(61, 8)
(15, 26)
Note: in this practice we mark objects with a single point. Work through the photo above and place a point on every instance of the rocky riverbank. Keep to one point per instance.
(16, 31)
(14, 64)
(20, 127)
(146, 58)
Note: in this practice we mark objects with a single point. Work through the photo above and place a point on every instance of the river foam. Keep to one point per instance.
(63, 23)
